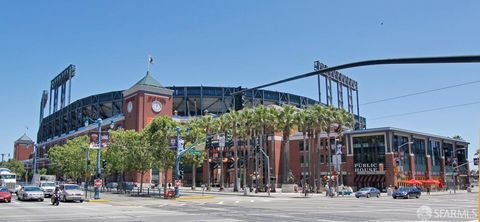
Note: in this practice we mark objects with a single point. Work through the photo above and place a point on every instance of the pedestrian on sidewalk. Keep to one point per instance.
(428, 190)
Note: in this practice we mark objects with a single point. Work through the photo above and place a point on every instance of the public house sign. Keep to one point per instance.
(365, 168)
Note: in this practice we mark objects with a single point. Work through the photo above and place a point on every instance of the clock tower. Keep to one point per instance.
(144, 101)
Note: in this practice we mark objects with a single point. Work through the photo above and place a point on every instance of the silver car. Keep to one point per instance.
(30, 193)
(71, 192)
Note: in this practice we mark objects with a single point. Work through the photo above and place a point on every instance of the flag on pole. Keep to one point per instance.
(150, 60)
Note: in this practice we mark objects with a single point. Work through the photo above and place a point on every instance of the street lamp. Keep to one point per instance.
(99, 172)
(400, 161)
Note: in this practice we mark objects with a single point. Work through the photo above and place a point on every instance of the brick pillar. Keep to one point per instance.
(443, 171)
(412, 166)
(205, 172)
(390, 176)
(428, 172)
(348, 167)
(278, 150)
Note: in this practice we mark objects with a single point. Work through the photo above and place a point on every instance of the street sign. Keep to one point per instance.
(98, 183)
(88, 174)
(195, 152)
(221, 142)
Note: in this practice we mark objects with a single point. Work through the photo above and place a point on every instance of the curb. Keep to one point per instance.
(195, 198)
(98, 201)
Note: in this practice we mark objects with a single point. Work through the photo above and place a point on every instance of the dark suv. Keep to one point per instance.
(407, 192)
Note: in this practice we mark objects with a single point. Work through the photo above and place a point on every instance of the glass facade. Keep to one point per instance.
(448, 152)
(435, 155)
(369, 149)
(418, 148)
(401, 141)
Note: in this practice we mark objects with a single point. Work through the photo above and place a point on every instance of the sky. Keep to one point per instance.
(244, 43)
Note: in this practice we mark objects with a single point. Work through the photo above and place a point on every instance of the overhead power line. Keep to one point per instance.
(421, 92)
(424, 111)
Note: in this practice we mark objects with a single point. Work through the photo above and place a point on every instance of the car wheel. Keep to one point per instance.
(418, 196)
(394, 197)
(41, 200)
(357, 196)
(81, 201)
(368, 195)
(378, 195)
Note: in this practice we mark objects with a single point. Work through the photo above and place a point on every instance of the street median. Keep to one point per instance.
(194, 198)
(98, 201)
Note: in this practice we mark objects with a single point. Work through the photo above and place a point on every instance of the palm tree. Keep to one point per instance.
(261, 122)
(247, 120)
(271, 126)
(233, 119)
(300, 119)
(319, 123)
(207, 124)
(221, 125)
(343, 119)
(286, 123)
(243, 130)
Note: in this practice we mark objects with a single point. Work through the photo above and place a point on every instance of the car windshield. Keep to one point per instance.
(3, 189)
(71, 187)
(32, 189)
(403, 190)
(48, 184)
(365, 189)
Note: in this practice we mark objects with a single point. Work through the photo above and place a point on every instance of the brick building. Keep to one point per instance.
(23, 148)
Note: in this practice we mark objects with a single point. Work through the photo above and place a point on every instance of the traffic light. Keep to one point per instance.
(180, 175)
(240, 101)
(228, 140)
(209, 142)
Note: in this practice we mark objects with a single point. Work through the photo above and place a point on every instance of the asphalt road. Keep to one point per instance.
(287, 207)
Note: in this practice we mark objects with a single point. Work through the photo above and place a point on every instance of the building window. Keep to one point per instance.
(448, 152)
(303, 147)
(322, 159)
(369, 149)
(420, 156)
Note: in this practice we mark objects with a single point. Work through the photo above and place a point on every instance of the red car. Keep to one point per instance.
(5, 195)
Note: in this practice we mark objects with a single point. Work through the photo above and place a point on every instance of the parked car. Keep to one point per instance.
(30, 193)
(48, 188)
(367, 192)
(112, 185)
(71, 192)
(407, 192)
(5, 195)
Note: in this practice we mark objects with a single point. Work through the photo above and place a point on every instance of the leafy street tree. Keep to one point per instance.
(42, 171)
(194, 134)
(68, 160)
(158, 135)
(16, 167)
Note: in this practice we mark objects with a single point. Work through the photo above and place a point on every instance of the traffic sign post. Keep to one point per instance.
(98, 183)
